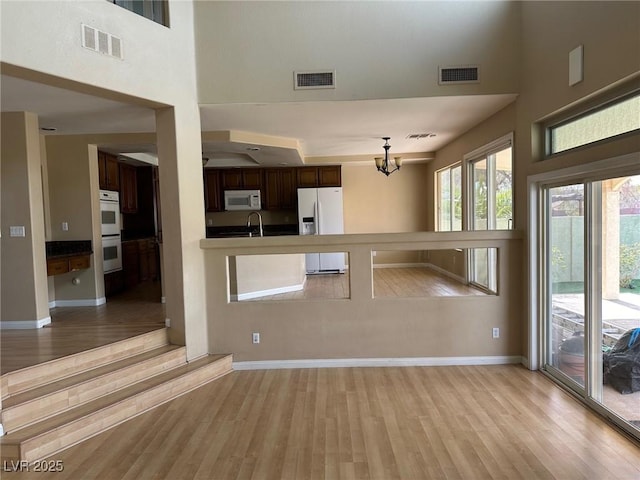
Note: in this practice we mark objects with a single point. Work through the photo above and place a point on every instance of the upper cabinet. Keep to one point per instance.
(108, 171)
(330, 176)
(325, 176)
(241, 179)
(212, 194)
(128, 189)
(278, 185)
(280, 188)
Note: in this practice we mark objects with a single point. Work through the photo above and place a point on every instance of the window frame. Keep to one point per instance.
(155, 10)
(438, 202)
(575, 114)
(502, 143)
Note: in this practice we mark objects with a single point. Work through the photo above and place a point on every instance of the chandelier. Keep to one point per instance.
(382, 164)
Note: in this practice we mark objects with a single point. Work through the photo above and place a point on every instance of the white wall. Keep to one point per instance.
(45, 36)
(41, 41)
(247, 51)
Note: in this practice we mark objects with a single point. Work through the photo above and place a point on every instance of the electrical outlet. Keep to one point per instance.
(255, 337)
(65, 226)
(496, 332)
(167, 322)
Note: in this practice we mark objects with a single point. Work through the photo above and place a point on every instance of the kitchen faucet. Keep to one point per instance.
(259, 222)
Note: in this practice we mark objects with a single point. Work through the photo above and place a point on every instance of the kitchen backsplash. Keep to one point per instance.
(269, 217)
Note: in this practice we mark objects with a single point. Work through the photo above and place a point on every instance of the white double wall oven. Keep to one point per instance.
(110, 222)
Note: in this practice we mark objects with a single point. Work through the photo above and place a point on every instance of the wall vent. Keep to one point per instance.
(459, 74)
(314, 79)
(101, 42)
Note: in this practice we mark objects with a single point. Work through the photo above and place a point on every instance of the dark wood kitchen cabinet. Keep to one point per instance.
(252, 178)
(242, 179)
(113, 283)
(280, 188)
(57, 266)
(140, 261)
(212, 193)
(108, 172)
(329, 176)
(325, 176)
(130, 263)
(128, 189)
(143, 255)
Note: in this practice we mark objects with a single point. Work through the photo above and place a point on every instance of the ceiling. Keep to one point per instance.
(268, 134)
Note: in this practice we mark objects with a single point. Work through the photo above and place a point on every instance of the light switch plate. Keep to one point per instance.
(17, 231)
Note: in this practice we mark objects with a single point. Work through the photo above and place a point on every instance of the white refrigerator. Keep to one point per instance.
(320, 213)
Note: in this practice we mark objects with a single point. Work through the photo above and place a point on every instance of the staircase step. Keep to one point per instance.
(28, 378)
(68, 428)
(45, 401)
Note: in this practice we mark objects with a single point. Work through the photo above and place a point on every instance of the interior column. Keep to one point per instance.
(24, 265)
(183, 225)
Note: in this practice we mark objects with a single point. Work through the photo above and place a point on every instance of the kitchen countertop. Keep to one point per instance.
(68, 248)
(243, 231)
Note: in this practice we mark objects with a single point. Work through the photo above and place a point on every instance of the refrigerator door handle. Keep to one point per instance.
(318, 218)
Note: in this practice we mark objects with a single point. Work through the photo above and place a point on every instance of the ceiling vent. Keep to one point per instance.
(314, 79)
(459, 74)
(418, 136)
(101, 42)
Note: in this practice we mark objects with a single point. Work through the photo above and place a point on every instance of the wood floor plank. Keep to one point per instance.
(413, 423)
(77, 329)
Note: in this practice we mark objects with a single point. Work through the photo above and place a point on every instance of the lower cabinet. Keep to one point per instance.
(113, 283)
(139, 261)
(57, 266)
(130, 263)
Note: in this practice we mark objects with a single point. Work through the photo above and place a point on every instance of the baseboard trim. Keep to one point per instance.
(266, 293)
(400, 265)
(446, 273)
(89, 302)
(376, 362)
(24, 324)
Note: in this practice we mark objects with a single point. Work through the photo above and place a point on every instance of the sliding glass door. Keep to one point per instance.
(592, 292)
(565, 239)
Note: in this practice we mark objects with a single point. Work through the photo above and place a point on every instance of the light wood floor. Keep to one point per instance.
(417, 282)
(413, 423)
(387, 282)
(75, 329)
(330, 285)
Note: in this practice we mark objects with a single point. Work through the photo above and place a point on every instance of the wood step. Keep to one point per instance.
(42, 402)
(61, 431)
(28, 378)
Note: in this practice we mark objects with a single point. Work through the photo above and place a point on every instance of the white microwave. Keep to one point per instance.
(242, 200)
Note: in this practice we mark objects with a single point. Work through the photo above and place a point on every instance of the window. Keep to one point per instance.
(152, 9)
(449, 200)
(615, 118)
(491, 186)
(490, 193)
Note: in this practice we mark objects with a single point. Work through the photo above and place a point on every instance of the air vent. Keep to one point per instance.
(116, 47)
(89, 37)
(101, 42)
(315, 79)
(418, 136)
(459, 74)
